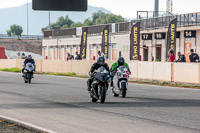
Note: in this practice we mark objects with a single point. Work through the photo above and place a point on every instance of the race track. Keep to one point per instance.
(62, 104)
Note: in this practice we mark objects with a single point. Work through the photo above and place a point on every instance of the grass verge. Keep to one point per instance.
(11, 70)
(6, 127)
(18, 70)
(170, 84)
(64, 74)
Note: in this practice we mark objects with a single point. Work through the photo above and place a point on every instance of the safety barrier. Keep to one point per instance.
(158, 71)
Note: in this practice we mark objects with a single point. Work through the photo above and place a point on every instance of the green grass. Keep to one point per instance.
(11, 70)
(64, 74)
(171, 84)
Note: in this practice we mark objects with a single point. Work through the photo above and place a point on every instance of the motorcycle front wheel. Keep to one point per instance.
(123, 85)
(103, 94)
(25, 80)
(29, 75)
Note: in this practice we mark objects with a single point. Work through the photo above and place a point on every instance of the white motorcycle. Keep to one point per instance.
(120, 81)
(28, 72)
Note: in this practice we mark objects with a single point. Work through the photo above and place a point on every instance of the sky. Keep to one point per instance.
(127, 8)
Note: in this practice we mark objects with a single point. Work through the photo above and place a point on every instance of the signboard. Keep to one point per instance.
(146, 36)
(83, 47)
(105, 41)
(171, 36)
(160, 35)
(190, 34)
(60, 5)
(135, 42)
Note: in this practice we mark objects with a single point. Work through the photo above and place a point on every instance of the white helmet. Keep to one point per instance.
(29, 57)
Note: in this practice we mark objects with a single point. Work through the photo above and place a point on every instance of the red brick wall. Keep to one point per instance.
(34, 46)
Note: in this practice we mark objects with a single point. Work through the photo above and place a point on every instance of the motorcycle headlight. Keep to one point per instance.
(118, 74)
(104, 71)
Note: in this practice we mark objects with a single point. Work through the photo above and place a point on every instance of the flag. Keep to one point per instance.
(105, 41)
(135, 42)
(171, 36)
(83, 46)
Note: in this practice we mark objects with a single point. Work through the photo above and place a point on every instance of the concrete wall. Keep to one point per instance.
(159, 71)
(189, 72)
(7, 63)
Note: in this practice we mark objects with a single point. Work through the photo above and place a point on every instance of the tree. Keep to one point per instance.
(97, 18)
(15, 30)
(64, 22)
(96, 15)
(87, 22)
(105, 18)
(65, 26)
(77, 24)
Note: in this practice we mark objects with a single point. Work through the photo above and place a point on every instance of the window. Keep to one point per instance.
(114, 46)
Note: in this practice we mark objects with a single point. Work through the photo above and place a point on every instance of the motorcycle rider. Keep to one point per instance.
(120, 62)
(100, 63)
(29, 59)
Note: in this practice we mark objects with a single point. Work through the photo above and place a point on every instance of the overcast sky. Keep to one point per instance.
(127, 8)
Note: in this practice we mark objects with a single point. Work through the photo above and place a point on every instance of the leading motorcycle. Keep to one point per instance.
(120, 81)
(100, 85)
(28, 72)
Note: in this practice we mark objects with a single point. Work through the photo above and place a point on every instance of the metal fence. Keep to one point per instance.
(31, 37)
(184, 20)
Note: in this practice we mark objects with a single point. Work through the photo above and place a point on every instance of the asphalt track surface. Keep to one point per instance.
(62, 104)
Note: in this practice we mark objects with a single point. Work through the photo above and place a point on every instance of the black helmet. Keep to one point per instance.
(101, 60)
(120, 61)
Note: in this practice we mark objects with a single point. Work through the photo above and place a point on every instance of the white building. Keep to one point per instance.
(58, 42)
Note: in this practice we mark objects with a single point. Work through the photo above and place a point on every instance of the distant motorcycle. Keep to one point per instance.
(120, 81)
(28, 72)
(100, 85)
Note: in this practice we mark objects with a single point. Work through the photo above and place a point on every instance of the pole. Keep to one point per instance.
(49, 20)
(27, 19)
(196, 44)
(57, 48)
(110, 48)
(152, 50)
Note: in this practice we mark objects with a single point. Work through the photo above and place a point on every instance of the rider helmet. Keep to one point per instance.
(29, 57)
(101, 60)
(120, 61)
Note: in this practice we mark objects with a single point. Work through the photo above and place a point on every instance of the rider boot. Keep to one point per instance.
(23, 72)
(111, 83)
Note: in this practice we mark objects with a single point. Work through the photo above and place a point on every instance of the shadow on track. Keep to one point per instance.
(145, 102)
